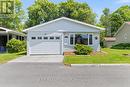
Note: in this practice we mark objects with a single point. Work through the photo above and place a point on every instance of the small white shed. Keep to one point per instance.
(60, 35)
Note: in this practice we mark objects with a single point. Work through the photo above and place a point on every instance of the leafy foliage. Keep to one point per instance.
(44, 10)
(83, 49)
(76, 10)
(14, 21)
(121, 46)
(118, 17)
(105, 21)
(113, 21)
(41, 11)
(15, 46)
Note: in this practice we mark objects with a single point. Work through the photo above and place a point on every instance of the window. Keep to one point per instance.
(33, 38)
(57, 38)
(90, 39)
(39, 38)
(71, 39)
(86, 39)
(45, 38)
(51, 38)
(78, 39)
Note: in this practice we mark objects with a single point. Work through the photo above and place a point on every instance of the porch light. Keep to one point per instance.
(96, 38)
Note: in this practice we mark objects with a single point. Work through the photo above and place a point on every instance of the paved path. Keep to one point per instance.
(57, 75)
(40, 58)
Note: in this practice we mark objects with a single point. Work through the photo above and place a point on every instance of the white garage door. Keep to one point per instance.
(45, 45)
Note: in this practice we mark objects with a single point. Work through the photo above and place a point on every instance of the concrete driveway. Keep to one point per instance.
(57, 75)
(40, 58)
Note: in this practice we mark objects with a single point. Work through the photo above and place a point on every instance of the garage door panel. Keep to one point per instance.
(46, 48)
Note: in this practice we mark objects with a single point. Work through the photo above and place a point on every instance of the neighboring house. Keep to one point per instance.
(61, 35)
(6, 35)
(121, 36)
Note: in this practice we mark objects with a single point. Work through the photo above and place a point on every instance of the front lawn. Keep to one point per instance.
(5, 57)
(108, 56)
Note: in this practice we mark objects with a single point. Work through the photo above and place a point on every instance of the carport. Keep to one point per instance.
(6, 35)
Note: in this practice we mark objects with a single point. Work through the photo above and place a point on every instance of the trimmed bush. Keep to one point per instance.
(83, 49)
(121, 46)
(15, 46)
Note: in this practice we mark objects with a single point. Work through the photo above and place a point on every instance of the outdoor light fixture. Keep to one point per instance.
(96, 38)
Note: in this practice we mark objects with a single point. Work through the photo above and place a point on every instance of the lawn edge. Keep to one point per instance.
(100, 64)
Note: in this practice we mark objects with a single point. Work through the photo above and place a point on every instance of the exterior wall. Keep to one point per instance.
(64, 48)
(65, 26)
(96, 42)
(123, 35)
(108, 44)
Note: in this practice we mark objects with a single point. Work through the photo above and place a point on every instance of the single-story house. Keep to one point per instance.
(121, 36)
(6, 35)
(61, 35)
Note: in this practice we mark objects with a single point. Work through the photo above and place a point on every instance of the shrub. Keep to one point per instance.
(83, 49)
(14, 46)
(121, 46)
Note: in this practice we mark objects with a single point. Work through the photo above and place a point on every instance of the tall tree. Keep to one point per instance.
(78, 11)
(115, 22)
(105, 21)
(41, 11)
(105, 17)
(118, 17)
(14, 21)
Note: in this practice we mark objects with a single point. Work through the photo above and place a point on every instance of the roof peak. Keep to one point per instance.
(65, 18)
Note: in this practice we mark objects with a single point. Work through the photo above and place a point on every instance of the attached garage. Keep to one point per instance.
(46, 44)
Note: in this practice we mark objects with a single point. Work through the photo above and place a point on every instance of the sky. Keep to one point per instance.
(96, 5)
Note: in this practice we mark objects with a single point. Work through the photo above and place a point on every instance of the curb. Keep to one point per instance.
(100, 64)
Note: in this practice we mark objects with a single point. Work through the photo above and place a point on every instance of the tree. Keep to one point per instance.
(41, 11)
(115, 22)
(118, 17)
(78, 11)
(14, 21)
(105, 17)
(124, 11)
(104, 21)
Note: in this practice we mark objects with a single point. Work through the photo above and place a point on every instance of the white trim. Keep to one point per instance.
(65, 18)
(11, 31)
(62, 43)
(28, 47)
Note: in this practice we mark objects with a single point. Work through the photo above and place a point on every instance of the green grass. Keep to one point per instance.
(109, 56)
(5, 57)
